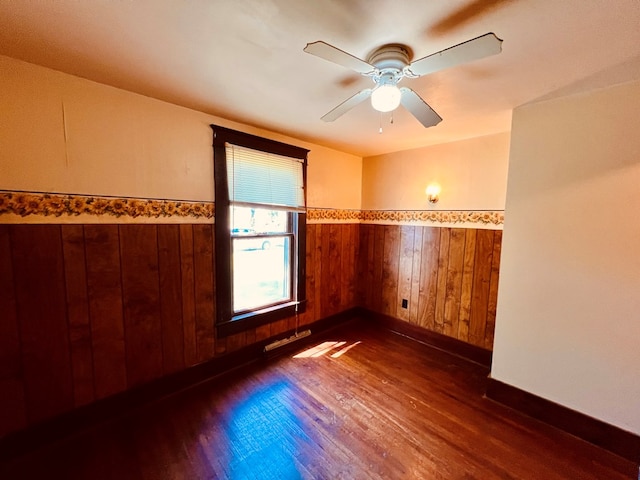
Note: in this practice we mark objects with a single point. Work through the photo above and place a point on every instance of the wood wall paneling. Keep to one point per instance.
(75, 269)
(416, 266)
(453, 288)
(467, 285)
(187, 282)
(204, 290)
(89, 311)
(170, 298)
(39, 281)
(481, 283)
(441, 279)
(428, 277)
(316, 266)
(390, 262)
(307, 317)
(333, 280)
(104, 286)
(493, 290)
(405, 271)
(13, 413)
(350, 250)
(378, 259)
(141, 302)
(449, 277)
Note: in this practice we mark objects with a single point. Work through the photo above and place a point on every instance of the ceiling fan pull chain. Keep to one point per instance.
(391, 121)
(380, 131)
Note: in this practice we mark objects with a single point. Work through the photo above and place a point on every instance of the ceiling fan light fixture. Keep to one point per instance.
(385, 98)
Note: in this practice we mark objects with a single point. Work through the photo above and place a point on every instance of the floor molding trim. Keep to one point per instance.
(451, 345)
(18, 443)
(614, 439)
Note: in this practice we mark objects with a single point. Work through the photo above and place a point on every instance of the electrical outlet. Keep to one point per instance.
(405, 303)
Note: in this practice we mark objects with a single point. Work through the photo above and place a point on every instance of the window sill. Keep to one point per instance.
(246, 321)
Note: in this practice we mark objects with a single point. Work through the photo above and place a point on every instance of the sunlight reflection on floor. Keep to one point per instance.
(325, 348)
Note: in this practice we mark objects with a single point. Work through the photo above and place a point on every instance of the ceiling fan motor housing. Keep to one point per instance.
(390, 61)
(392, 55)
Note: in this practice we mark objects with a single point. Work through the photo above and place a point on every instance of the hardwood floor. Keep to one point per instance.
(376, 406)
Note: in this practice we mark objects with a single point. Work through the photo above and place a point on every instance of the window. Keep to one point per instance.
(260, 225)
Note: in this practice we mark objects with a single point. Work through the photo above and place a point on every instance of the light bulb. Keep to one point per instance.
(385, 98)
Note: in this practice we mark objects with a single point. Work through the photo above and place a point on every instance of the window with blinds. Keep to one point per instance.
(260, 179)
(260, 226)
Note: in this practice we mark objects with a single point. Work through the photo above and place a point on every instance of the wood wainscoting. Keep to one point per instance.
(448, 277)
(89, 311)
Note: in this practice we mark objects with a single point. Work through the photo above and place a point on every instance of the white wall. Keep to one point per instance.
(64, 134)
(568, 317)
(472, 175)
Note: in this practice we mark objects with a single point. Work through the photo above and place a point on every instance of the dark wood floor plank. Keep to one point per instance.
(13, 415)
(75, 270)
(373, 405)
(42, 315)
(141, 302)
(104, 287)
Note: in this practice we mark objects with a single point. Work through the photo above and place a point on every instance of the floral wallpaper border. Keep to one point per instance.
(315, 214)
(486, 217)
(57, 205)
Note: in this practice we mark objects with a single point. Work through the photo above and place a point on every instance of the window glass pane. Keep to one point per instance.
(261, 273)
(252, 221)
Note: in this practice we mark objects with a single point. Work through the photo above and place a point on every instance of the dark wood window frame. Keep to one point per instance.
(226, 322)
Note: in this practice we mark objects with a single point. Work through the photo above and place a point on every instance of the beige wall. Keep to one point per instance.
(568, 317)
(64, 134)
(472, 175)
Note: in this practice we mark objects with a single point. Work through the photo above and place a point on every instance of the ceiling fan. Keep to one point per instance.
(389, 64)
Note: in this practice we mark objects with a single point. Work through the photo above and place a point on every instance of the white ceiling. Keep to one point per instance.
(243, 59)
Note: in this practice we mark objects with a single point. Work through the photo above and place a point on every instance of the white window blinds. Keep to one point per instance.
(257, 178)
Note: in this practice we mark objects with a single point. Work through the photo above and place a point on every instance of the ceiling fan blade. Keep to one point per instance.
(419, 108)
(335, 55)
(480, 47)
(347, 105)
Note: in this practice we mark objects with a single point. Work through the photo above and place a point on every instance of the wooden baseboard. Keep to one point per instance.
(82, 418)
(452, 345)
(611, 438)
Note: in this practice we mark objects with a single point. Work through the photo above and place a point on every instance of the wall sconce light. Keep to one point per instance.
(433, 193)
